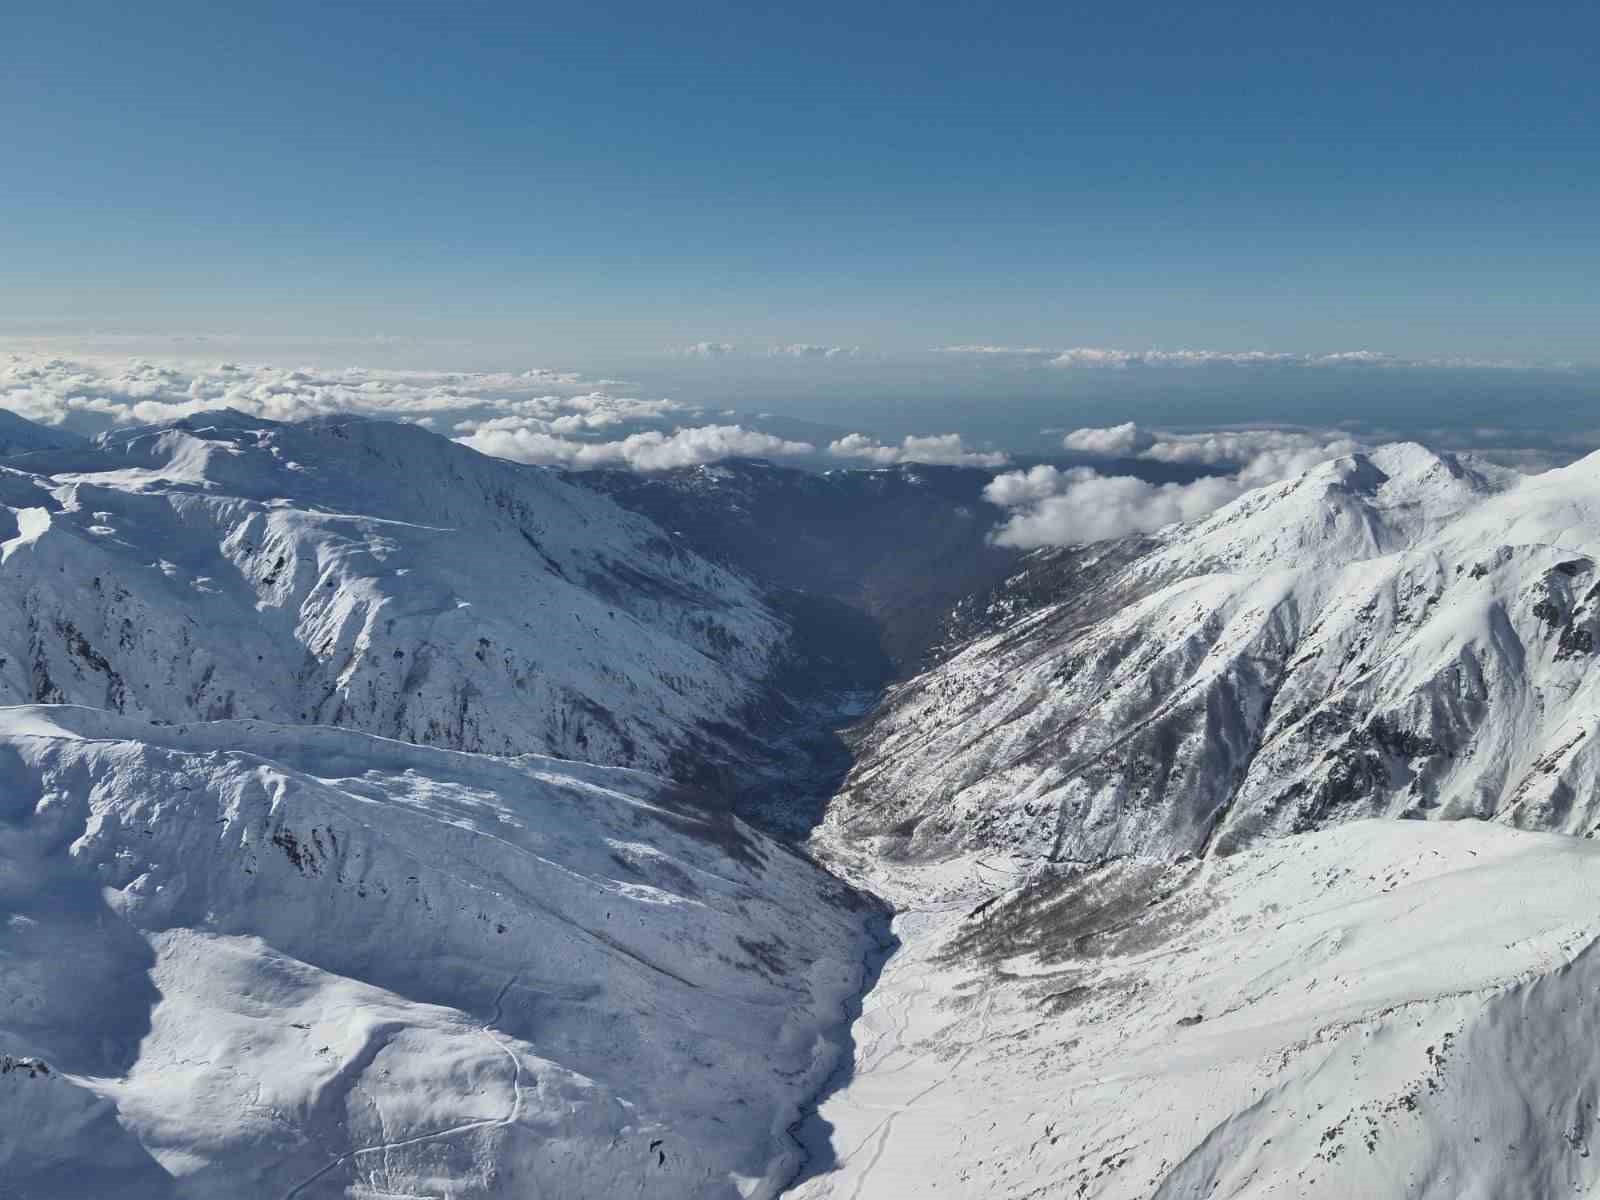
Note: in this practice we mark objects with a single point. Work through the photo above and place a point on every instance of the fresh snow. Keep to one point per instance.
(374, 576)
(294, 902)
(1147, 946)
(1395, 634)
(1384, 1008)
(310, 962)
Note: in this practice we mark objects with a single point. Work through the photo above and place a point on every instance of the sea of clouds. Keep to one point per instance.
(540, 417)
(573, 421)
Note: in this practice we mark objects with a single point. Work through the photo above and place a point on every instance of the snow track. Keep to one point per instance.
(510, 1118)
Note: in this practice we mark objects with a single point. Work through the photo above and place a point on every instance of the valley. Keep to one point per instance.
(485, 830)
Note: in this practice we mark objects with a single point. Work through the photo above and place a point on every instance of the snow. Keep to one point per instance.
(374, 576)
(1149, 941)
(1399, 634)
(310, 962)
(1380, 1009)
(305, 891)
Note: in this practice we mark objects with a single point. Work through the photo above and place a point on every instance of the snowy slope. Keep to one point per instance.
(253, 960)
(1385, 1008)
(1399, 633)
(370, 575)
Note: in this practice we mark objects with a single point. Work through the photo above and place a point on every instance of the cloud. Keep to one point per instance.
(52, 390)
(706, 350)
(999, 351)
(1017, 489)
(652, 450)
(945, 449)
(1098, 358)
(1091, 507)
(1113, 441)
(1051, 507)
(1259, 453)
(535, 416)
(1244, 445)
(1110, 358)
(807, 350)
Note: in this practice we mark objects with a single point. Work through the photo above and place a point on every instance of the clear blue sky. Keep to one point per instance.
(598, 182)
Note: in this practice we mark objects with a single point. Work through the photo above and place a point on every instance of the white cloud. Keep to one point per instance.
(1017, 489)
(1103, 358)
(652, 450)
(1255, 449)
(1092, 507)
(51, 390)
(1112, 441)
(999, 351)
(859, 445)
(1117, 359)
(537, 416)
(1089, 356)
(1050, 507)
(1258, 452)
(942, 449)
(807, 350)
(707, 350)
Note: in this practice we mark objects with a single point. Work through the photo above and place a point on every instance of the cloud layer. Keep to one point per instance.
(651, 450)
(52, 390)
(536, 416)
(1052, 507)
(1112, 441)
(1105, 358)
(943, 449)
(807, 350)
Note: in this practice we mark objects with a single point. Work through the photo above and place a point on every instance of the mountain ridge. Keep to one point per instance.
(1315, 651)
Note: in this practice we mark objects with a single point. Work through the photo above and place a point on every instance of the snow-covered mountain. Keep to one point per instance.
(245, 960)
(1400, 633)
(1143, 945)
(375, 576)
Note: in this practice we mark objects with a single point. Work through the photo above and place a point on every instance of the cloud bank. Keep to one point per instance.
(546, 417)
(536, 416)
(133, 391)
(945, 449)
(807, 350)
(1105, 358)
(1113, 441)
(1052, 507)
(652, 450)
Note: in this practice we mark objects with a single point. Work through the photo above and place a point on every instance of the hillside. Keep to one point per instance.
(1397, 634)
(375, 576)
(257, 960)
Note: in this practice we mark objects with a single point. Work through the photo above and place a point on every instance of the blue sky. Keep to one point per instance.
(594, 184)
